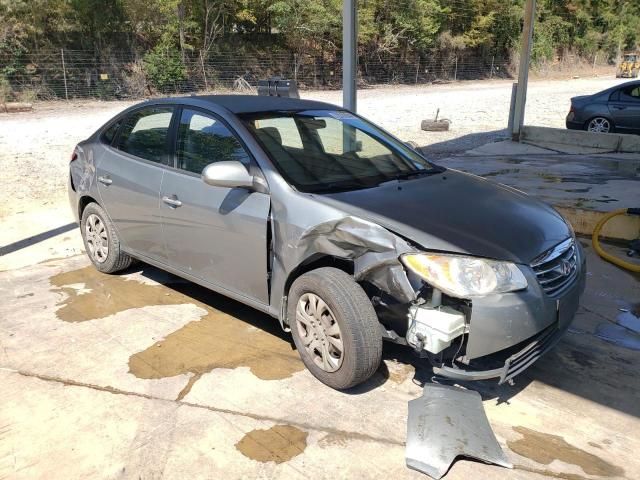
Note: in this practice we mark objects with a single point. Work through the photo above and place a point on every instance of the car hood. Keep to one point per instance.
(459, 213)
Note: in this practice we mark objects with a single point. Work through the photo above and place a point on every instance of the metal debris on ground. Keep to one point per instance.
(445, 423)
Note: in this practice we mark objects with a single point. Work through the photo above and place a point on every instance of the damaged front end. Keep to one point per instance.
(484, 336)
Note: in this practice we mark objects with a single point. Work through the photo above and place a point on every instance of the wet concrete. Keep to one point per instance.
(217, 340)
(278, 444)
(544, 448)
(61, 374)
(597, 182)
(625, 332)
(618, 335)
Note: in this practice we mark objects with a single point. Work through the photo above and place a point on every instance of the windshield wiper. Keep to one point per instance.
(340, 187)
(414, 173)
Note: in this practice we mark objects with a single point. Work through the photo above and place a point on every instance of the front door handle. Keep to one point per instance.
(105, 180)
(172, 201)
(618, 107)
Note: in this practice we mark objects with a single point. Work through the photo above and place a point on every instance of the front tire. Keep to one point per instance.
(334, 328)
(101, 241)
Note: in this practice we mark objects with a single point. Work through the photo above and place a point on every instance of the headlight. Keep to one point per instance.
(464, 277)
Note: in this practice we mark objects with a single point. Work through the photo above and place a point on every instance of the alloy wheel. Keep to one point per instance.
(96, 237)
(599, 125)
(319, 332)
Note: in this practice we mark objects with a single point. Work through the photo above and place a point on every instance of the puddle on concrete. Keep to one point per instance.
(91, 295)
(583, 359)
(217, 340)
(618, 335)
(629, 317)
(279, 444)
(544, 448)
(626, 331)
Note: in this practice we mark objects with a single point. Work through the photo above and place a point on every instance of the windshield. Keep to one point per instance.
(331, 150)
(630, 58)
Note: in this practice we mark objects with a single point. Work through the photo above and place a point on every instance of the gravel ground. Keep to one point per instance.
(35, 146)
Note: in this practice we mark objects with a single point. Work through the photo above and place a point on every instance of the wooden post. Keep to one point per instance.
(417, 70)
(64, 75)
(493, 59)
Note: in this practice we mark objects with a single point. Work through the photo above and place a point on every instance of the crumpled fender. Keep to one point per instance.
(374, 249)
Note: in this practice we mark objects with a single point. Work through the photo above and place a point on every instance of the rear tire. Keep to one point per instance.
(327, 308)
(599, 125)
(101, 241)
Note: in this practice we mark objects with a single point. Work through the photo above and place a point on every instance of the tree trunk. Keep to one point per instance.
(180, 12)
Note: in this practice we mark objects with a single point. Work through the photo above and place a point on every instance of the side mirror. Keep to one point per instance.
(228, 174)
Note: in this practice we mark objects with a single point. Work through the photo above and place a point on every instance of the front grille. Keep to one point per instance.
(557, 268)
(518, 363)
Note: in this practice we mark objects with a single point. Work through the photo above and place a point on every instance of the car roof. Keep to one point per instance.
(257, 103)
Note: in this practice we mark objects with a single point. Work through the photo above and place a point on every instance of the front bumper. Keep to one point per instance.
(554, 315)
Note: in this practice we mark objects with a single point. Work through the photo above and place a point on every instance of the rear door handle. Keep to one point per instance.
(105, 180)
(172, 201)
(618, 107)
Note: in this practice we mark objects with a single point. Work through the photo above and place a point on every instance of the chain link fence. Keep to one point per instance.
(69, 74)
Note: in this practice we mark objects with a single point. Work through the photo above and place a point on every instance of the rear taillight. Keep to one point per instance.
(74, 156)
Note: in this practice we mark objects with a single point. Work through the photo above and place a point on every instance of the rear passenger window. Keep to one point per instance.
(110, 133)
(631, 94)
(203, 140)
(144, 134)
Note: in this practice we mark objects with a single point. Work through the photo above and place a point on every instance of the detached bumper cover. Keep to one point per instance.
(445, 423)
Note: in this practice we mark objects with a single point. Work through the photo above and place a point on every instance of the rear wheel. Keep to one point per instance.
(599, 125)
(101, 241)
(334, 327)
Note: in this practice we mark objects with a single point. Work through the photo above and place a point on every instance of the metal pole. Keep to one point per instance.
(523, 74)
(493, 59)
(349, 54)
(455, 72)
(514, 90)
(64, 75)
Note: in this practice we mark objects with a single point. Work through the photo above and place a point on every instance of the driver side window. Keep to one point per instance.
(203, 139)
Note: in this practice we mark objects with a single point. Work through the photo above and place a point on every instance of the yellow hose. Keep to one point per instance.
(607, 256)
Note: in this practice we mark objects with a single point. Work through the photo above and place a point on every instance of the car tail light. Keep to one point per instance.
(74, 156)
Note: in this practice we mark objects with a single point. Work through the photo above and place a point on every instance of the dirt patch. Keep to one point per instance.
(545, 448)
(400, 372)
(217, 340)
(279, 444)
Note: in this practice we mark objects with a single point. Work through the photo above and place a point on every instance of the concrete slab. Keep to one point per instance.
(75, 403)
(591, 182)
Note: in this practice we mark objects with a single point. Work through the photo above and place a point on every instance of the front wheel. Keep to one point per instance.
(334, 327)
(599, 125)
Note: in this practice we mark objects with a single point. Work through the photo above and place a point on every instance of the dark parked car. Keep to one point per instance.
(616, 109)
(340, 231)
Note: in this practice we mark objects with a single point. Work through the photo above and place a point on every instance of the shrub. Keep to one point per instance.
(164, 69)
(5, 90)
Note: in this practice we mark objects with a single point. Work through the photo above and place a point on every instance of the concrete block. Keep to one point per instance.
(578, 140)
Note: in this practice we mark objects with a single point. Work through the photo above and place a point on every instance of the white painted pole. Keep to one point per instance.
(523, 74)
